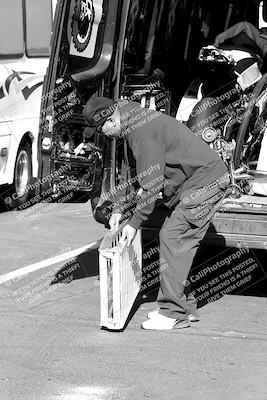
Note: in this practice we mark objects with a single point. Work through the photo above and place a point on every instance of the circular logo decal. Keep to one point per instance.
(82, 24)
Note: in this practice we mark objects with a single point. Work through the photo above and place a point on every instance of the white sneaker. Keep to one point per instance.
(153, 314)
(191, 317)
(160, 322)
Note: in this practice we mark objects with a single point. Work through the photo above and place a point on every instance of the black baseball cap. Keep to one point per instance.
(96, 111)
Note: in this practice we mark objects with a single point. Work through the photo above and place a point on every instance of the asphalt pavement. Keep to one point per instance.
(53, 348)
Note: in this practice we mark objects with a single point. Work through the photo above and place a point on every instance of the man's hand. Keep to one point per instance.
(114, 221)
(128, 234)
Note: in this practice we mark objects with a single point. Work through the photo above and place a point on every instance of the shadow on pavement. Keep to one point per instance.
(83, 266)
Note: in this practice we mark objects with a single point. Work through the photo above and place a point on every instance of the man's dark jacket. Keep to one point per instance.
(169, 157)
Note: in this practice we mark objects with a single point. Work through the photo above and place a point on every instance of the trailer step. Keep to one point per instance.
(236, 223)
(235, 240)
(246, 203)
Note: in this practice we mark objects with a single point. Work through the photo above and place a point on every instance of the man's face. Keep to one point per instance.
(112, 126)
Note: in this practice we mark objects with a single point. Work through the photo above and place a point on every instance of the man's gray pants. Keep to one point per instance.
(179, 240)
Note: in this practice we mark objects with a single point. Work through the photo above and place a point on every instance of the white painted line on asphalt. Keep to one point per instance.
(46, 263)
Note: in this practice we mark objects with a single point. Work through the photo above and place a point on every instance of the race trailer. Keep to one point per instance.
(146, 51)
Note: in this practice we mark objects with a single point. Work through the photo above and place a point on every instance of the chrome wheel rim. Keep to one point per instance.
(22, 173)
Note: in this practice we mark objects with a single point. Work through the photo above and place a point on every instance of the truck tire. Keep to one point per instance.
(20, 192)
